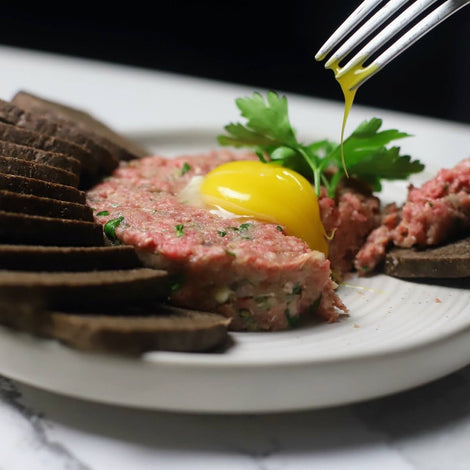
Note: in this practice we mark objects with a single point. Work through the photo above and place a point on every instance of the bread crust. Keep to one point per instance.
(447, 261)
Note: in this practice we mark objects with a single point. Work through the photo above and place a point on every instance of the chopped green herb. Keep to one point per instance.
(244, 313)
(315, 305)
(263, 301)
(185, 168)
(241, 228)
(269, 132)
(248, 320)
(175, 286)
(176, 282)
(292, 320)
(279, 228)
(221, 233)
(297, 289)
(110, 228)
(179, 230)
(102, 213)
(231, 253)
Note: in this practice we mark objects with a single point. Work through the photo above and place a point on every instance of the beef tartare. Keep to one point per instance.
(250, 271)
(431, 215)
(349, 217)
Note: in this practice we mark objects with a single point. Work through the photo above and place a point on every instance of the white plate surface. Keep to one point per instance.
(398, 335)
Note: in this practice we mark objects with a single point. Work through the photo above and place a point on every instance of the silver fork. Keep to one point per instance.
(432, 19)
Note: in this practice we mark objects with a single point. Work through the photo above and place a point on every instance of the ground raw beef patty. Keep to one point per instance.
(239, 267)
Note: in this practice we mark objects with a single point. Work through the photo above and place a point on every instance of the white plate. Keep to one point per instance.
(398, 335)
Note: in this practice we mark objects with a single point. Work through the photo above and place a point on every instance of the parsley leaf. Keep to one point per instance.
(269, 133)
(270, 120)
(370, 160)
(110, 228)
(292, 321)
(385, 164)
(179, 230)
(185, 168)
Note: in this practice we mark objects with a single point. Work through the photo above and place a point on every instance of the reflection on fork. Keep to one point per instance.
(372, 16)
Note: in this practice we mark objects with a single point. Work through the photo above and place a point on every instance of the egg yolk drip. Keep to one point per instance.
(270, 193)
(349, 83)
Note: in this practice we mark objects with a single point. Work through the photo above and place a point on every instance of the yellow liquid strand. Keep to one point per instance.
(349, 83)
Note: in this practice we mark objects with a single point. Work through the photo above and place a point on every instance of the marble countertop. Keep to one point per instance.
(427, 428)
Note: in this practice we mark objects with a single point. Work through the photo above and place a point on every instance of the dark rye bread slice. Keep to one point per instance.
(25, 185)
(167, 329)
(15, 166)
(57, 258)
(121, 147)
(87, 290)
(18, 228)
(59, 160)
(49, 143)
(12, 114)
(47, 207)
(447, 261)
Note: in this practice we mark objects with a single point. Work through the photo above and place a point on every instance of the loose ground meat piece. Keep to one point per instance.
(373, 251)
(348, 219)
(244, 269)
(431, 215)
(437, 210)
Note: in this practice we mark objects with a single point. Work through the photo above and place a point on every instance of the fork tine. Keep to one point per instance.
(385, 35)
(354, 19)
(442, 12)
(367, 29)
(410, 37)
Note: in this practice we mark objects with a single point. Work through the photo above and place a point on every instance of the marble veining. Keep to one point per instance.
(427, 428)
(429, 425)
(74, 431)
(56, 454)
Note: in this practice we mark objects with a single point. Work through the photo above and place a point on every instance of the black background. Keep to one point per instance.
(257, 43)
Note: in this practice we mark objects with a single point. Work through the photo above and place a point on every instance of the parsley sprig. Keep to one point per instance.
(268, 131)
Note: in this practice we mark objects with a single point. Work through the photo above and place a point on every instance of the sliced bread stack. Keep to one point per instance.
(119, 146)
(58, 277)
(40, 201)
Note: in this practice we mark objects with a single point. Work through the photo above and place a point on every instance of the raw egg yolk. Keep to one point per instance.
(267, 192)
